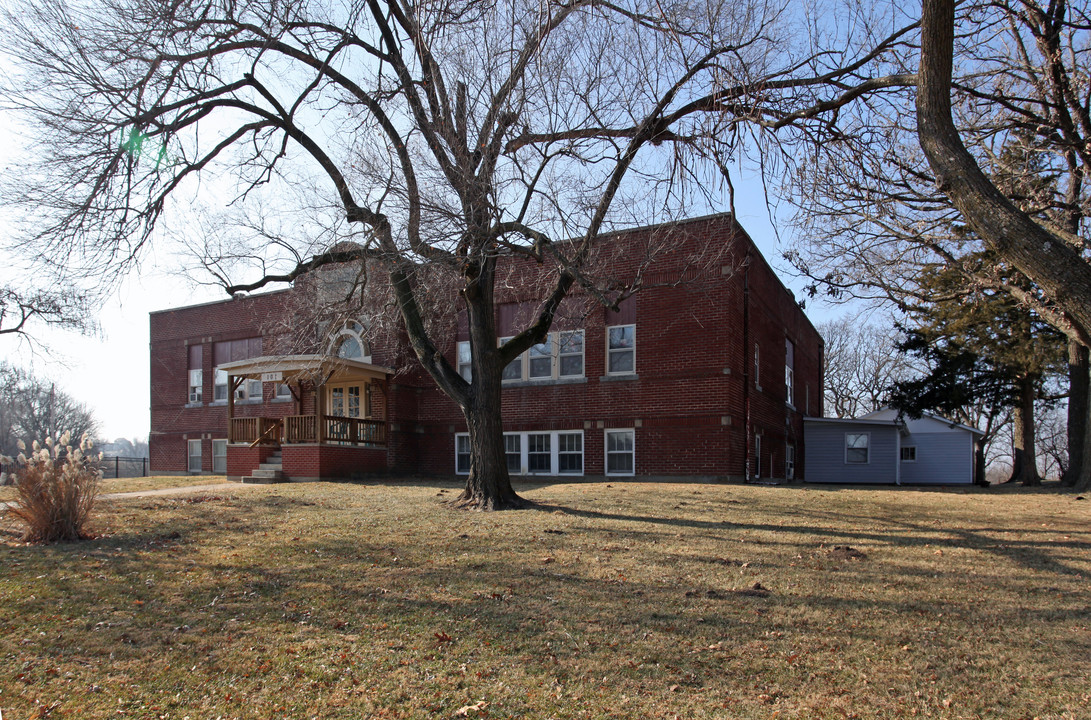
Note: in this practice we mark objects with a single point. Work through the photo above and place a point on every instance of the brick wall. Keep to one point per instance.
(693, 402)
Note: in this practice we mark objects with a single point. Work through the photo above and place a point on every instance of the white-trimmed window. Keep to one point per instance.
(464, 359)
(195, 378)
(283, 391)
(620, 452)
(194, 456)
(909, 453)
(570, 453)
(349, 343)
(621, 350)
(856, 448)
(540, 360)
(561, 355)
(196, 389)
(789, 372)
(532, 453)
(462, 454)
(789, 461)
(513, 452)
(570, 354)
(219, 457)
(539, 453)
(219, 390)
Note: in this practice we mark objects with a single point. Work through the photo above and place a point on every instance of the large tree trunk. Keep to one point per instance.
(1043, 257)
(1078, 381)
(489, 485)
(1025, 468)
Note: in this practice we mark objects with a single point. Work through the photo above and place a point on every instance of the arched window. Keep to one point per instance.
(349, 343)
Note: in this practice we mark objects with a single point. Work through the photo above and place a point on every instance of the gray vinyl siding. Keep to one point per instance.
(824, 453)
(942, 459)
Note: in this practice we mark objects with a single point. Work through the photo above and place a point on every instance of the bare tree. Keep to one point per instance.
(33, 409)
(21, 311)
(1013, 107)
(1052, 257)
(449, 135)
(862, 363)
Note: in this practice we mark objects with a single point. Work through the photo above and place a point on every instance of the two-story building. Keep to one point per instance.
(706, 372)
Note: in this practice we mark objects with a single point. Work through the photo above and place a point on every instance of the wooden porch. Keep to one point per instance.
(341, 392)
(306, 430)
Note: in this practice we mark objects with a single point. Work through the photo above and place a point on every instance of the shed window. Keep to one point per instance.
(909, 453)
(856, 448)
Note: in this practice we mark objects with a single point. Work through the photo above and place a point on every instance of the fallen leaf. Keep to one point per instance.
(465, 710)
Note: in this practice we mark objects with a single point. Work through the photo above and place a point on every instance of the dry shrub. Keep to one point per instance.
(55, 490)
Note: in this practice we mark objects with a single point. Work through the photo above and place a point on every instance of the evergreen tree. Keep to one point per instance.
(985, 352)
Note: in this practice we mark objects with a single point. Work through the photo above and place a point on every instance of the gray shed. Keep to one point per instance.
(884, 447)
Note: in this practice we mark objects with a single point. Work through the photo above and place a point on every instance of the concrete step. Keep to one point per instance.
(264, 472)
(257, 480)
(271, 466)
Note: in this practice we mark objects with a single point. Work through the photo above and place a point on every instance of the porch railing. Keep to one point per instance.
(304, 429)
(254, 430)
(354, 431)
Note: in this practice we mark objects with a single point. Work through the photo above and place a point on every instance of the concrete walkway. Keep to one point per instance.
(186, 490)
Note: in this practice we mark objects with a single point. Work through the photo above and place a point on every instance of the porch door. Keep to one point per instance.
(345, 401)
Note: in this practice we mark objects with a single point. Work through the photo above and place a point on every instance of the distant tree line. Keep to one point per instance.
(33, 409)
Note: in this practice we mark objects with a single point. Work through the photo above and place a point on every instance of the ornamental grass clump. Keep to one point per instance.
(55, 489)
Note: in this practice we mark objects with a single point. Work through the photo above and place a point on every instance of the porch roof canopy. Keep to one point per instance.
(322, 369)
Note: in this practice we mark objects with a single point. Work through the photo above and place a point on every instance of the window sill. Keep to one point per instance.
(619, 378)
(223, 403)
(194, 405)
(281, 400)
(543, 381)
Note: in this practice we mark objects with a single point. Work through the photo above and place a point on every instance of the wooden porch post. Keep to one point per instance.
(230, 408)
(320, 411)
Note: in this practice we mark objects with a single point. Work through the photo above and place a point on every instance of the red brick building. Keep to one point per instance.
(706, 372)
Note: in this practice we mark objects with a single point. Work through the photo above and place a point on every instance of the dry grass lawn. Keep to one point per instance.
(610, 601)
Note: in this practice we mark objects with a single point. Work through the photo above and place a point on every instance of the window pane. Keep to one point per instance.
(253, 389)
(621, 361)
(514, 369)
(572, 366)
(540, 367)
(620, 463)
(856, 455)
(572, 342)
(350, 348)
(623, 336)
